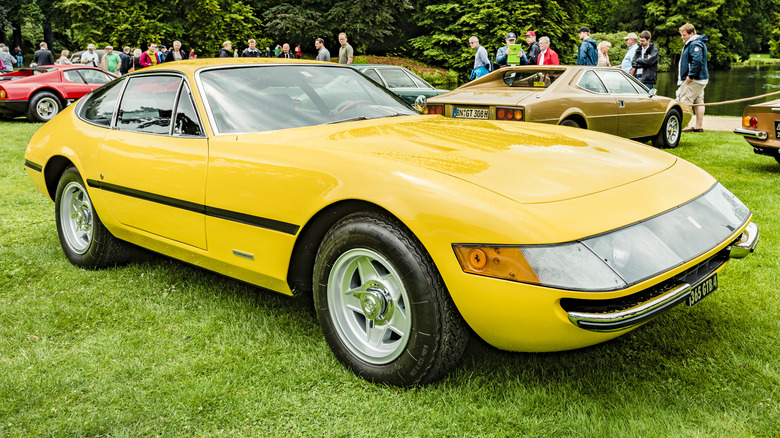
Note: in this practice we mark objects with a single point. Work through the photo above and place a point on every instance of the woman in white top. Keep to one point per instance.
(63, 60)
(603, 48)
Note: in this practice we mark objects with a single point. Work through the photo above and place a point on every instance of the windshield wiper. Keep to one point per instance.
(351, 119)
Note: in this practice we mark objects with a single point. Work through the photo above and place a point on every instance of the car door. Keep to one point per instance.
(153, 163)
(74, 85)
(599, 106)
(640, 114)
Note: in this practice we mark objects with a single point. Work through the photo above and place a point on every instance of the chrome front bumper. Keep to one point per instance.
(611, 321)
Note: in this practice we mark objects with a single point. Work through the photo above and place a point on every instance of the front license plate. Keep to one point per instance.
(703, 289)
(777, 129)
(470, 113)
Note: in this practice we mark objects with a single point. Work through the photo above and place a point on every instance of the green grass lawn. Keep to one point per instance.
(161, 348)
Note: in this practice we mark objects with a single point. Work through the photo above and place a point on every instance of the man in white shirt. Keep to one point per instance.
(90, 57)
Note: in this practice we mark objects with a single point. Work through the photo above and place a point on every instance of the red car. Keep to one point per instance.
(41, 92)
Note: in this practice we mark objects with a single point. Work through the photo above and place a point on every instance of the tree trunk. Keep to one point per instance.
(17, 26)
(48, 36)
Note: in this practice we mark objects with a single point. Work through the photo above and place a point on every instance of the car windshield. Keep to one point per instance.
(532, 78)
(265, 98)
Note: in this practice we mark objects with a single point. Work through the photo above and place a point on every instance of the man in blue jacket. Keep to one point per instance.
(693, 73)
(587, 54)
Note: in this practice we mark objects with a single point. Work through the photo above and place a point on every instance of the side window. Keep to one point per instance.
(147, 104)
(397, 78)
(186, 121)
(374, 76)
(420, 83)
(591, 82)
(617, 83)
(72, 76)
(99, 106)
(95, 76)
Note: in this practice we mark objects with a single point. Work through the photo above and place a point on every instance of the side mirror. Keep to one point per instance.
(653, 92)
(420, 103)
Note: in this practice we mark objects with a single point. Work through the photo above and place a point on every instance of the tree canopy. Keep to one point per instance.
(433, 31)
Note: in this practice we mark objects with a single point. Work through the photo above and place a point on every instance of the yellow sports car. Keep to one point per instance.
(597, 98)
(409, 229)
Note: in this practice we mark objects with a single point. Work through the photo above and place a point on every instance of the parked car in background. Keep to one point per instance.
(76, 57)
(400, 80)
(597, 98)
(41, 92)
(761, 128)
(411, 231)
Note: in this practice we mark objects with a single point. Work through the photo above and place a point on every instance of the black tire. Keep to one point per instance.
(84, 239)
(43, 107)
(570, 122)
(777, 158)
(391, 320)
(669, 135)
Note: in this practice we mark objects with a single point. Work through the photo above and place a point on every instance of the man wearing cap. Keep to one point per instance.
(629, 58)
(645, 65)
(587, 53)
(502, 55)
(533, 47)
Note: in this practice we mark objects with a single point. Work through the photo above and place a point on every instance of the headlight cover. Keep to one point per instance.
(618, 258)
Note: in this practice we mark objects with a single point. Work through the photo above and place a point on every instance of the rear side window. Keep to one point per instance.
(591, 82)
(95, 76)
(616, 82)
(99, 106)
(147, 104)
(72, 76)
(186, 121)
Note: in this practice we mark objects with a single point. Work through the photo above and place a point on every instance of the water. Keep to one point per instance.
(737, 83)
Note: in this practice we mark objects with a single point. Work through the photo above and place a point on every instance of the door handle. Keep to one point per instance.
(621, 104)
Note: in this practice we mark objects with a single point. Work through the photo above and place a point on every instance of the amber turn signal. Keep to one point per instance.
(3, 95)
(509, 113)
(505, 262)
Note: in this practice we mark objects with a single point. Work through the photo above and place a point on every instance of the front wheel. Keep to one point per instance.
(382, 305)
(669, 135)
(84, 239)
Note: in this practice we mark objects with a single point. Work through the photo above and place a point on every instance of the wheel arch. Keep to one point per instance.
(577, 117)
(52, 90)
(301, 268)
(52, 172)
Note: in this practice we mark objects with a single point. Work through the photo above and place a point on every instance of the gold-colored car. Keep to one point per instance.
(304, 177)
(597, 98)
(761, 128)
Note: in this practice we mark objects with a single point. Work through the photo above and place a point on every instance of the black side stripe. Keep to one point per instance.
(270, 224)
(33, 166)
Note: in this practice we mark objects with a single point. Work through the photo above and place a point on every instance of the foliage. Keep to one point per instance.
(447, 27)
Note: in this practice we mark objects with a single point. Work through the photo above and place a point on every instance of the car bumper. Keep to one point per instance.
(13, 107)
(528, 318)
(762, 144)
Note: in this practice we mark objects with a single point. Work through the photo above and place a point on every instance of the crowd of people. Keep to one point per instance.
(130, 59)
(640, 61)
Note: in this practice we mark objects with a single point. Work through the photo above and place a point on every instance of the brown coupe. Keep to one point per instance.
(598, 98)
(761, 128)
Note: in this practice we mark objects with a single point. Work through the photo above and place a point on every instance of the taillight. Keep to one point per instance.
(434, 109)
(509, 113)
(750, 121)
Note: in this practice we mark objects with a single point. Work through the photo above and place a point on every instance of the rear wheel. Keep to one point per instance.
(84, 239)
(43, 106)
(669, 135)
(382, 305)
(571, 122)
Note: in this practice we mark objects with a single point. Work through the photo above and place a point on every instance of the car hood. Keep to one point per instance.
(525, 162)
(486, 96)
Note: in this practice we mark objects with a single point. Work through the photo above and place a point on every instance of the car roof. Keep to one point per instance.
(189, 66)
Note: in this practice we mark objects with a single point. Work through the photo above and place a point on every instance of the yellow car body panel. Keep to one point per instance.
(448, 181)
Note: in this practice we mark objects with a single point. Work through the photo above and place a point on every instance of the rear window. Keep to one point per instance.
(541, 78)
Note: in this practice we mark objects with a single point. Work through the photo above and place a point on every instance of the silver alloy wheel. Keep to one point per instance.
(369, 306)
(76, 217)
(46, 108)
(672, 130)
